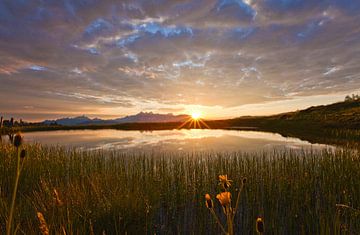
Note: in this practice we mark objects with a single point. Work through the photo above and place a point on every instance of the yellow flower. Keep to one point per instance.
(208, 202)
(224, 198)
(260, 225)
(224, 181)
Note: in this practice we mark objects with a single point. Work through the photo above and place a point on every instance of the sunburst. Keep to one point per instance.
(195, 121)
(196, 115)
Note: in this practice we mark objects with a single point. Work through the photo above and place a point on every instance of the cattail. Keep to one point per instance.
(43, 225)
(12, 122)
(23, 154)
(260, 225)
(1, 121)
(208, 202)
(18, 140)
(11, 137)
(244, 180)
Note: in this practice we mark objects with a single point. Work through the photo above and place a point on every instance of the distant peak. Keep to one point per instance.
(82, 116)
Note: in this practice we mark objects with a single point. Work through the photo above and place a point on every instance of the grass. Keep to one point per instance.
(295, 192)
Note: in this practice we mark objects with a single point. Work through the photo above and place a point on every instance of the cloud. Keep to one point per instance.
(233, 10)
(130, 55)
(37, 68)
(331, 70)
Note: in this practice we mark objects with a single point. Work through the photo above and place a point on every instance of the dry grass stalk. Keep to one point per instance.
(17, 143)
(43, 225)
(57, 199)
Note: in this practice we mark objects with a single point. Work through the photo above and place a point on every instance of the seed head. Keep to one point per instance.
(18, 140)
(43, 225)
(208, 202)
(244, 180)
(57, 199)
(260, 225)
(23, 154)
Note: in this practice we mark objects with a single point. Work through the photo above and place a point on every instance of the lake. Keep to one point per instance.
(169, 140)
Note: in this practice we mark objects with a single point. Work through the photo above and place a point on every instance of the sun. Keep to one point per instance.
(195, 121)
(196, 115)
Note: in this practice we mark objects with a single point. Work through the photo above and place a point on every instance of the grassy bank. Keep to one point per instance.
(163, 193)
(337, 124)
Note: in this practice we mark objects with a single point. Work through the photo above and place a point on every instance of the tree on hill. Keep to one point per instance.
(353, 97)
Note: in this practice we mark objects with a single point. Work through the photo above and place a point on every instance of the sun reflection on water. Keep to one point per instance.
(183, 139)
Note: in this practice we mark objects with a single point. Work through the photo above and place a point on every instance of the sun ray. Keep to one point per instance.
(204, 123)
(194, 122)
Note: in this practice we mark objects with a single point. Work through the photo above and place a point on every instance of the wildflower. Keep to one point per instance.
(224, 181)
(23, 154)
(224, 198)
(208, 202)
(18, 140)
(259, 225)
(43, 225)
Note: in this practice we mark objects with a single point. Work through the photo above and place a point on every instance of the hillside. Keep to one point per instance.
(344, 115)
(337, 123)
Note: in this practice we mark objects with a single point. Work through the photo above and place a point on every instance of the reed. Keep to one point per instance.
(20, 155)
(163, 192)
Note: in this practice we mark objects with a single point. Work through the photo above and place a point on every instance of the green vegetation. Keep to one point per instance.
(19, 163)
(74, 192)
(337, 123)
(342, 115)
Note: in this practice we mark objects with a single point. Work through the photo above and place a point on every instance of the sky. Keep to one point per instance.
(222, 58)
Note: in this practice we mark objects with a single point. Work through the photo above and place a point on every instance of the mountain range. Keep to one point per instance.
(142, 117)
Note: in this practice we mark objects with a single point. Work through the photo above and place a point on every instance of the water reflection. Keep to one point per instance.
(169, 140)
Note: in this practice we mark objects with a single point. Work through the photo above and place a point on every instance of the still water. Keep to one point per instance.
(170, 140)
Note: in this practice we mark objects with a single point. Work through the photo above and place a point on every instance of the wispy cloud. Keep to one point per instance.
(131, 55)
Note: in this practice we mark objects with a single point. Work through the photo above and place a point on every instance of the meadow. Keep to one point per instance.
(109, 192)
